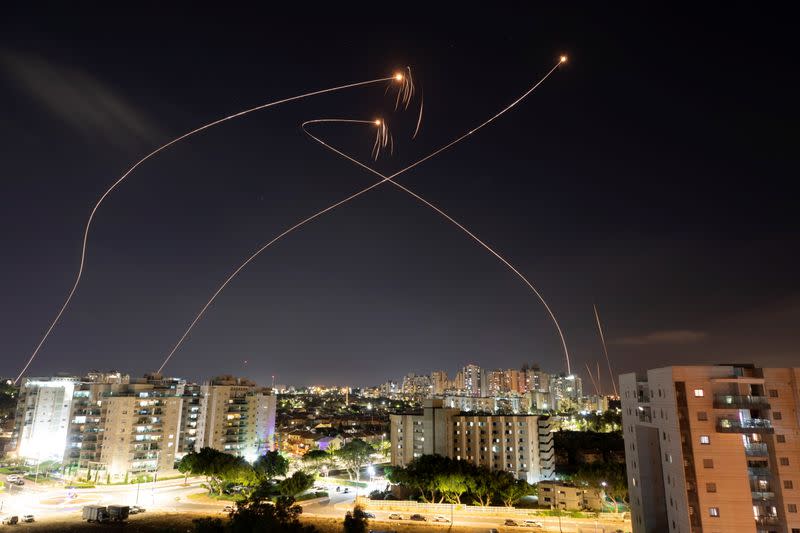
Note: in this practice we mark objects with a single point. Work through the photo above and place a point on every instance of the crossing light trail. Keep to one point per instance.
(405, 91)
(605, 351)
(384, 179)
(460, 226)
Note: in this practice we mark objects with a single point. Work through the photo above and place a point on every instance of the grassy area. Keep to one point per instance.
(312, 495)
(345, 482)
(210, 498)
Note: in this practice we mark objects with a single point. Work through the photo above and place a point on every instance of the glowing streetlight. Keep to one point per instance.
(563, 59)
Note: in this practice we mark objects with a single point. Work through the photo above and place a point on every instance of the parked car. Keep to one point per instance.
(346, 490)
(28, 518)
(227, 509)
(418, 518)
(493, 530)
(395, 516)
(532, 523)
(135, 509)
(440, 518)
(510, 522)
(368, 514)
(10, 520)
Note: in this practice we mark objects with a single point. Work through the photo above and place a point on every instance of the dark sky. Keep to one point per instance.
(654, 175)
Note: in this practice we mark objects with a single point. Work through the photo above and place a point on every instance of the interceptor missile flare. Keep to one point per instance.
(408, 191)
(405, 89)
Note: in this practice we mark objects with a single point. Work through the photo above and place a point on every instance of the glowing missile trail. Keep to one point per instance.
(369, 188)
(406, 90)
(605, 351)
(450, 219)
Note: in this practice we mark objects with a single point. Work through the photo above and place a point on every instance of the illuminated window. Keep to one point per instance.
(698, 393)
(705, 439)
(713, 511)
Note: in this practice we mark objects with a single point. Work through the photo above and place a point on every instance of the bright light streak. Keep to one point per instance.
(605, 351)
(563, 59)
(163, 147)
(415, 195)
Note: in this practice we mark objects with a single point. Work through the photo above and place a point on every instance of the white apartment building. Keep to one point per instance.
(713, 449)
(42, 418)
(520, 444)
(509, 403)
(238, 417)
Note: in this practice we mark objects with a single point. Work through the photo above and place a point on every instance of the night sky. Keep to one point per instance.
(653, 175)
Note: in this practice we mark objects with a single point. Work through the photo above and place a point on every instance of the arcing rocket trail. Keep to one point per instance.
(406, 190)
(404, 94)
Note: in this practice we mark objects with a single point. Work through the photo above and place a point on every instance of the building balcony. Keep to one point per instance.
(749, 425)
(759, 495)
(733, 401)
(756, 449)
(768, 520)
(759, 472)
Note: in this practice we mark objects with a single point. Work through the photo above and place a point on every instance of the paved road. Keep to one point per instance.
(172, 496)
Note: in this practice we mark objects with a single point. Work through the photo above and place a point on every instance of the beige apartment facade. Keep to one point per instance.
(713, 449)
(520, 444)
(238, 417)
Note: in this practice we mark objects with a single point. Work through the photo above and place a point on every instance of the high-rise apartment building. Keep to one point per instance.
(495, 380)
(513, 381)
(520, 444)
(566, 391)
(125, 426)
(238, 417)
(475, 383)
(414, 385)
(108, 426)
(439, 382)
(42, 418)
(713, 449)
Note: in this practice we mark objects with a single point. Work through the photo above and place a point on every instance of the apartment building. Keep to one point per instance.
(439, 382)
(568, 497)
(108, 426)
(566, 391)
(520, 444)
(125, 427)
(42, 418)
(510, 403)
(238, 417)
(713, 449)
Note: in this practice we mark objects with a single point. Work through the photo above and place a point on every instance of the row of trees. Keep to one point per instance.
(353, 456)
(609, 477)
(438, 479)
(222, 470)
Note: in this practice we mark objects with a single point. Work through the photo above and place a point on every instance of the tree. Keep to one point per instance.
(612, 474)
(451, 485)
(354, 455)
(271, 465)
(219, 468)
(299, 482)
(356, 522)
(481, 486)
(257, 516)
(515, 491)
(315, 459)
